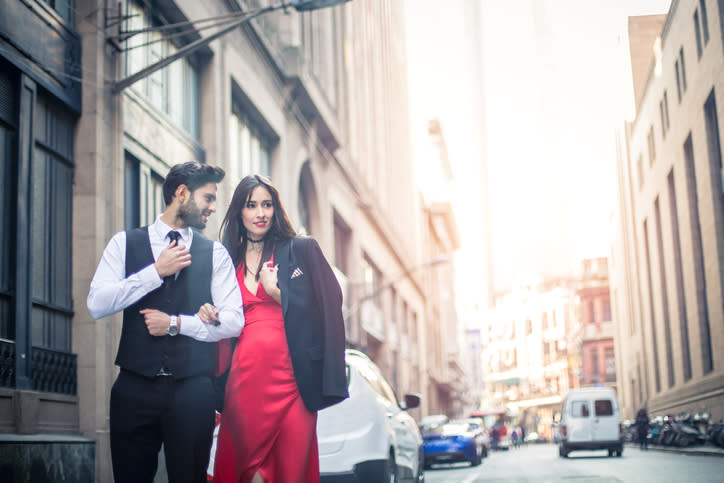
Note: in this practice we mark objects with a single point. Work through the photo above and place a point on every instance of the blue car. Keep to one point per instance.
(454, 441)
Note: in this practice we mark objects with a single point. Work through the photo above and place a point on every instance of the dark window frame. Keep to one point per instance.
(697, 35)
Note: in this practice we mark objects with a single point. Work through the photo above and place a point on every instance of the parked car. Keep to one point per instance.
(432, 421)
(535, 438)
(369, 436)
(456, 440)
(477, 425)
(590, 419)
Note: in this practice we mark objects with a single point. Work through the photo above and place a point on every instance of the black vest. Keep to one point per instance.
(144, 354)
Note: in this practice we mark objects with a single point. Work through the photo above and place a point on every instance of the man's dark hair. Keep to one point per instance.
(192, 174)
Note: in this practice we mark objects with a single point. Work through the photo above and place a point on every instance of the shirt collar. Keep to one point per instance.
(162, 230)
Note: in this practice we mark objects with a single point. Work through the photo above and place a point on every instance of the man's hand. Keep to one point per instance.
(172, 259)
(158, 322)
(209, 314)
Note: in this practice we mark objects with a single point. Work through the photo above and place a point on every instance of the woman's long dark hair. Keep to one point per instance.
(233, 234)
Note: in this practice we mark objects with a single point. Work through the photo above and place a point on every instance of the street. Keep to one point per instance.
(541, 463)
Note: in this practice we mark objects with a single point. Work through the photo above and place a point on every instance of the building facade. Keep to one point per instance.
(597, 326)
(315, 100)
(525, 340)
(667, 261)
(444, 344)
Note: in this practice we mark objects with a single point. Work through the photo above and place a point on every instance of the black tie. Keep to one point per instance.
(174, 236)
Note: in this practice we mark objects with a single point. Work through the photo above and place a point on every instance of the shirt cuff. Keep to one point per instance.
(149, 277)
(190, 325)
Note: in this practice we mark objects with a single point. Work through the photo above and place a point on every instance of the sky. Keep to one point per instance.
(552, 85)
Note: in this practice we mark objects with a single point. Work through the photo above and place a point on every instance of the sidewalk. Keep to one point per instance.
(702, 449)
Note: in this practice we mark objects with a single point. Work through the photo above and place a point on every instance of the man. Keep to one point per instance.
(161, 276)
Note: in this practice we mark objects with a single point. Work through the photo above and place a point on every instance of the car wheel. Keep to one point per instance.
(390, 474)
(478, 457)
(420, 466)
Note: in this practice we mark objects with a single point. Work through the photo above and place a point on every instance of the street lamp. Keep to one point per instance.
(299, 5)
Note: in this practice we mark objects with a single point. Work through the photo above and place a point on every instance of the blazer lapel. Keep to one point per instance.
(281, 258)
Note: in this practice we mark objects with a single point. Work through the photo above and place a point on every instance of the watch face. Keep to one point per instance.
(172, 330)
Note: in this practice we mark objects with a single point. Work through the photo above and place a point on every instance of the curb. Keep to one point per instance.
(692, 450)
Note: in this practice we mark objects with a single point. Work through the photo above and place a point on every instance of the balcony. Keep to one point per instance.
(603, 330)
(51, 371)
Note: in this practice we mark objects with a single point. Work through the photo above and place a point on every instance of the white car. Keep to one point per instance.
(369, 436)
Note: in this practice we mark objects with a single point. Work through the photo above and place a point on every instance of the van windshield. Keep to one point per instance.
(603, 407)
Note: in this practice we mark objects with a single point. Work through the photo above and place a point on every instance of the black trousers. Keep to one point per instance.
(148, 412)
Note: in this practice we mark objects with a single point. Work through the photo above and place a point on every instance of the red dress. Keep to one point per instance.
(265, 426)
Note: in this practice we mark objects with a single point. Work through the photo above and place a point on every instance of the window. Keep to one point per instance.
(679, 271)
(640, 170)
(603, 407)
(144, 194)
(697, 32)
(248, 149)
(666, 110)
(714, 144)
(610, 364)
(652, 146)
(342, 242)
(697, 249)
(683, 69)
(65, 8)
(594, 365)
(678, 80)
(173, 90)
(317, 33)
(579, 409)
(606, 310)
(51, 227)
(664, 114)
(704, 21)
(8, 166)
(36, 282)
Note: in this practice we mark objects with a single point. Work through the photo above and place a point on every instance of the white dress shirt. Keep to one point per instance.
(112, 291)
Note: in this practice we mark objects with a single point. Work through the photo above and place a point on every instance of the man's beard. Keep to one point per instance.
(191, 215)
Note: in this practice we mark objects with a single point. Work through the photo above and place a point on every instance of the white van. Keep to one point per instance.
(590, 419)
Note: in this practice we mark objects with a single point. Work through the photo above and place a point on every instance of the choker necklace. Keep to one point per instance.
(260, 240)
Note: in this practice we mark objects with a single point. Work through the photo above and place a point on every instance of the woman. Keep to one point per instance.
(289, 361)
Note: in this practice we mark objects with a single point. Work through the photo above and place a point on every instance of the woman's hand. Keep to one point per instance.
(208, 314)
(268, 279)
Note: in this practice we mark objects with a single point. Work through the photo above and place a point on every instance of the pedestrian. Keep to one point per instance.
(160, 276)
(495, 436)
(289, 362)
(514, 437)
(642, 429)
(522, 434)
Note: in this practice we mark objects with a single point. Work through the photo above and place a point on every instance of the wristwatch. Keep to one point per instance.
(173, 326)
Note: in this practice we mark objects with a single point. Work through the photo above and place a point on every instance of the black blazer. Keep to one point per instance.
(312, 308)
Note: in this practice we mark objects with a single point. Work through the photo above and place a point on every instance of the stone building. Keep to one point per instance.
(316, 100)
(667, 275)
